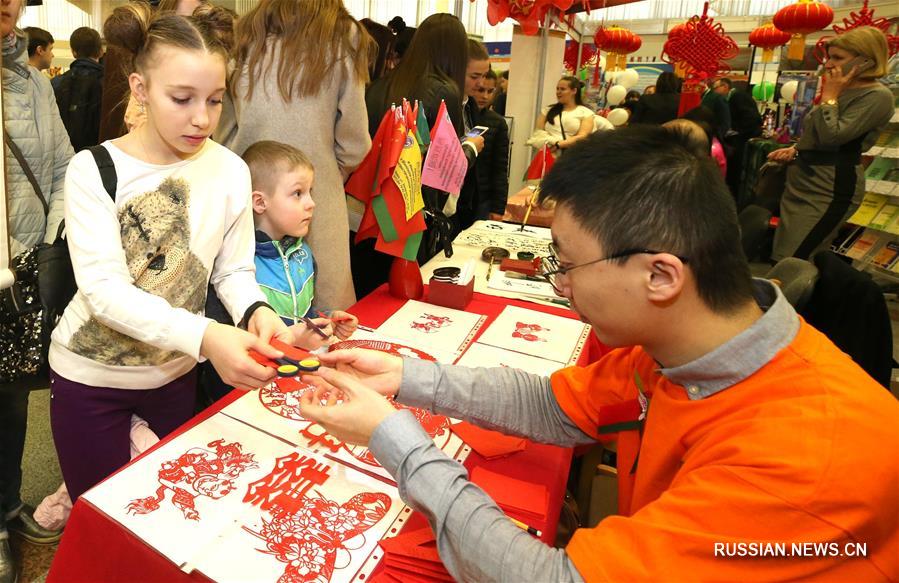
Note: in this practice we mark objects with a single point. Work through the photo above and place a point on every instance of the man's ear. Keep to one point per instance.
(138, 86)
(667, 277)
(259, 202)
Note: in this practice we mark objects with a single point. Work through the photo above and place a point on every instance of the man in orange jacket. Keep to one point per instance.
(749, 446)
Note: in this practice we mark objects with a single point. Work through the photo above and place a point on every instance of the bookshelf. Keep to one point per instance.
(873, 244)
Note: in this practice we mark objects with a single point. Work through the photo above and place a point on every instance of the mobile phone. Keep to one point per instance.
(863, 64)
(476, 131)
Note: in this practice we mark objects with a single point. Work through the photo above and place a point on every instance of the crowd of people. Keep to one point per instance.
(198, 166)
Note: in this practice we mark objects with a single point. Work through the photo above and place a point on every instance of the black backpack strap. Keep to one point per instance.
(107, 169)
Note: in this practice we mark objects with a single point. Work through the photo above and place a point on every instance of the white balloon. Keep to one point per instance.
(628, 78)
(616, 94)
(619, 116)
(788, 90)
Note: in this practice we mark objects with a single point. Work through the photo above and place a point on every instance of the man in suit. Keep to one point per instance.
(746, 123)
(493, 162)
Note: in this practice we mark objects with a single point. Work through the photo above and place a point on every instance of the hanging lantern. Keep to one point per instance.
(801, 19)
(588, 54)
(528, 13)
(768, 38)
(618, 42)
(864, 17)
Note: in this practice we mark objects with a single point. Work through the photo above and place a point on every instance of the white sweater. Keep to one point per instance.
(143, 264)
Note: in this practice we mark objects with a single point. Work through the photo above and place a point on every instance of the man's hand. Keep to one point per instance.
(346, 408)
(266, 324)
(376, 370)
(344, 324)
(477, 142)
(226, 348)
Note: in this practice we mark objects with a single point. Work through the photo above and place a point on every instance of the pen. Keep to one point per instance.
(525, 527)
(315, 327)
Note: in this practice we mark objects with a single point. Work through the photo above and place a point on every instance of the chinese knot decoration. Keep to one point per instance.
(768, 38)
(702, 48)
(800, 19)
(528, 13)
(588, 53)
(864, 17)
(618, 42)
(676, 32)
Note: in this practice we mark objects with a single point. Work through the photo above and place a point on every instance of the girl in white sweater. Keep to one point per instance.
(129, 341)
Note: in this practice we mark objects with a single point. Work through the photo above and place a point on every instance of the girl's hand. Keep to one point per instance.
(307, 338)
(783, 154)
(266, 324)
(344, 324)
(227, 348)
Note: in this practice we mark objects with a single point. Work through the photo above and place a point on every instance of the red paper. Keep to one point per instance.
(489, 444)
(512, 494)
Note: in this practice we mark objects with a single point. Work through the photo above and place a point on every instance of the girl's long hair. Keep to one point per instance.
(439, 47)
(315, 37)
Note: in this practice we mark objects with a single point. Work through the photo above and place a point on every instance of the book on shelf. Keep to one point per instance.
(868, 209)
(863, 245)
(886, 257)
(885, 216)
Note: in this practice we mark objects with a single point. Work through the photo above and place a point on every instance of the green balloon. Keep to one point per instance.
(764, 91)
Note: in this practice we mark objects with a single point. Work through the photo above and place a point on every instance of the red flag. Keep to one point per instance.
(541, 164)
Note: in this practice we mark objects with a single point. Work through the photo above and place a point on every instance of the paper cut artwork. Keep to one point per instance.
(529, 332)
(197, 473)
(181, 496)
(443, 331)
(393, 348)
(538, 334)
(318, 522)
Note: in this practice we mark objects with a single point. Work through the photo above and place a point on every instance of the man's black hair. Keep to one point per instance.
(641, 187)
(37, 37)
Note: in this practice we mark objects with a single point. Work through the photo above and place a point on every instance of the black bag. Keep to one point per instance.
(772, 181)
(44, 286)
(78, 97)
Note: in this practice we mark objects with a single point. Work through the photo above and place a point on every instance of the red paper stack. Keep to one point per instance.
(411, 556)
(519, 499)
(489, 444)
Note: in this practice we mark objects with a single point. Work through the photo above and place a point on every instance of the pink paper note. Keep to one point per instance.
(445, 164)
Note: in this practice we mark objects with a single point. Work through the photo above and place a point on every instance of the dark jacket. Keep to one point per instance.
(657, 108)
(744, 115)
(849, 308)
(493, 162)
(429, 92)
(720, 109)
(80, 101)
(499, 103)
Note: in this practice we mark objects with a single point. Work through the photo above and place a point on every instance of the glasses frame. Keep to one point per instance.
(552, 262)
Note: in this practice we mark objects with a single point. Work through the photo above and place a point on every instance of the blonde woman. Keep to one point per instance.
(300, 72)
(825, 180)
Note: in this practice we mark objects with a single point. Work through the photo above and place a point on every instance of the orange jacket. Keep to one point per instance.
(805, 450)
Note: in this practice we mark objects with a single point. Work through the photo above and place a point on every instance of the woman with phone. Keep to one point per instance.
(825, 179)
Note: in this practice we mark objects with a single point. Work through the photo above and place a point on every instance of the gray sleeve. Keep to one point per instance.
(836, 126)
(506, 399)
(476, 541)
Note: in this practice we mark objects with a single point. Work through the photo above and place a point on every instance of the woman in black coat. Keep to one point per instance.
(661, 106)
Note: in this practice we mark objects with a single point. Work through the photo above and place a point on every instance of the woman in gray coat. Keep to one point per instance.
(300, 78)
(31, 121)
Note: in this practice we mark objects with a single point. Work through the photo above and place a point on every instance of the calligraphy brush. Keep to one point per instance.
(531, 202)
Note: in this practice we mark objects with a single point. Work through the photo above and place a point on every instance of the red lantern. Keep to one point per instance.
(618, 42)
(528, 13)
(768, 37)
(800, 19)
(571, 49)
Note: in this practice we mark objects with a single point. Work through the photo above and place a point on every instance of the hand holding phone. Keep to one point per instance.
(476, 131)
(861, 64)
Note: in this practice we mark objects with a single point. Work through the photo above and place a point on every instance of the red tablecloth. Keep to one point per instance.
(96, 548)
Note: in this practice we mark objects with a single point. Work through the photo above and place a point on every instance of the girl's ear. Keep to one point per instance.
(138, 87)
(259, 202)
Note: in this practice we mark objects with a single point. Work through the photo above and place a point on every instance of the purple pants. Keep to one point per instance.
(91, 425)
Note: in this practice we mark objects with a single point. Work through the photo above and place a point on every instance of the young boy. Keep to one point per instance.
(282, 179)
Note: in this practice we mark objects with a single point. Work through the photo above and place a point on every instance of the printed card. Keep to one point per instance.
(484, 355)
(440, 329)
(537, 334)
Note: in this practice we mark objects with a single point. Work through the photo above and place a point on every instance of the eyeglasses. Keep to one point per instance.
(552, 266)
